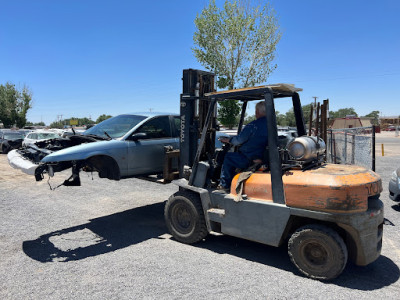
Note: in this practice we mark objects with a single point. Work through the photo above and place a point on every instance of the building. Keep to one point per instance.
(351, 122)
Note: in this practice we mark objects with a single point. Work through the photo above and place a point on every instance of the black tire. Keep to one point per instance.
(318, 251)
(184, 217)
(5, 149)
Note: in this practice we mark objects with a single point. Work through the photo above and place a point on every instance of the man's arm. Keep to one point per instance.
(243, 136)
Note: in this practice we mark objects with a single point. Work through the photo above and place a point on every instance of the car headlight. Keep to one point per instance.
(394, 176)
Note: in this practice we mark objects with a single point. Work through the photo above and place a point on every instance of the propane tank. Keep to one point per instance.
(306, 148)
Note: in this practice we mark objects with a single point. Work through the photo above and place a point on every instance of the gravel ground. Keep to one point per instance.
(108, 240)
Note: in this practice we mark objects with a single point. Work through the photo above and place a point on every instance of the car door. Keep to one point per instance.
(146, 154)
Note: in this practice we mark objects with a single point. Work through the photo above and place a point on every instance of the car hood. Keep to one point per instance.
(15, 140)
(84, 151)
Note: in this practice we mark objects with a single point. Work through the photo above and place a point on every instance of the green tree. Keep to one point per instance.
(342, 113)
(28, 123)
(249, 119)
(58, 124)
(81, 122)
(281, 119)
(14, 105)
(237, 43)
(306, 112)
(228, 113)
(102, 118)
(290, 119)
(375, 117)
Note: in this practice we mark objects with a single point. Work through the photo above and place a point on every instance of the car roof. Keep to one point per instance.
(43, 131)
(10, 131)
(150, 114)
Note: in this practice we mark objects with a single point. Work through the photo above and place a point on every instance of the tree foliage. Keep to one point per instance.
(66, 122)
(281, 119)
(237, 43)
(289, 119)
(228, 113)
(375, 117)
(102, 118)
(342, 113)
(14, 105)
(41, 123)
(249, 119)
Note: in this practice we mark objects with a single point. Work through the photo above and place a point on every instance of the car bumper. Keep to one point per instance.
(17, 161)
(394, 190)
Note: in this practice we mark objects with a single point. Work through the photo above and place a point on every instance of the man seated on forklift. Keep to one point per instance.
(252, 141)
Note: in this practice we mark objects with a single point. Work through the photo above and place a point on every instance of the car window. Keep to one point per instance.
(156, 128)
(177, 126)
(13, 136)
(45, 135)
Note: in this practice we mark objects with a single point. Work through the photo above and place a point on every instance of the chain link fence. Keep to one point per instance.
(352, 146)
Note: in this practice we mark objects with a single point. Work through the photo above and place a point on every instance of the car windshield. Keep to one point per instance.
(13, 136)
(47, 135)
(115, 127)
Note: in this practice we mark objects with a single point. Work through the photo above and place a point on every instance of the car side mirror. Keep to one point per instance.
(137, 136)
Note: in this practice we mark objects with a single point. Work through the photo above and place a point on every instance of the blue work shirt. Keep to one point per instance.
(252, 139)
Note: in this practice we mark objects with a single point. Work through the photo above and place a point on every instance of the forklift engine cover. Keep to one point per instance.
(328, 188)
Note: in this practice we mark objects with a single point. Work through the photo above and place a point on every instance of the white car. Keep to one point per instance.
(38, 136)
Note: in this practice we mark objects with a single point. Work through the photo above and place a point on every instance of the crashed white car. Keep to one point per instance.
(38, 136)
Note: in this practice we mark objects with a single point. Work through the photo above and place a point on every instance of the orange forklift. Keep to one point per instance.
(326, 213)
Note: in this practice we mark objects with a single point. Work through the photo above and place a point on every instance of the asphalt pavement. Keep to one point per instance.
(108, 240)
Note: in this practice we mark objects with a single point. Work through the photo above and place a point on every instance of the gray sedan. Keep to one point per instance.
(122, 146)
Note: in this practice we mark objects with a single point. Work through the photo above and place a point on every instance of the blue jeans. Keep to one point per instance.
(232, 161)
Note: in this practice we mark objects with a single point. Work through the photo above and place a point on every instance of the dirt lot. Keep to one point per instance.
(108, 240)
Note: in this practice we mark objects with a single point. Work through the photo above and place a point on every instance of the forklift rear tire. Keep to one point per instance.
(318, 251)
(184, 217)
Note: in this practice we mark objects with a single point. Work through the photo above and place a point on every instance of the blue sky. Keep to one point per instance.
(85, 58)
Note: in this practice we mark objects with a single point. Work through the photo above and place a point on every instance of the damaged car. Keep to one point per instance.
(122, 146)
(38, 136)
(10, 139)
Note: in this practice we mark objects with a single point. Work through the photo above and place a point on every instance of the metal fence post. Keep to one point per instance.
(373, 147)
(353, 148)
(345, 147)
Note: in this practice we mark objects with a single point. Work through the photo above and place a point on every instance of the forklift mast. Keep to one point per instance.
(193, 112)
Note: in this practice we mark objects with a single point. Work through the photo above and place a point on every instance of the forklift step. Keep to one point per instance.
(216, 214)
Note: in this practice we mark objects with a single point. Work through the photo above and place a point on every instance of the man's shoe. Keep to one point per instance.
(224, 189)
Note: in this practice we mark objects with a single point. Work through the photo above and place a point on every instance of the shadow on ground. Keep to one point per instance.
(99, 236)
(396, 207)
(110, 233)
(383, 272)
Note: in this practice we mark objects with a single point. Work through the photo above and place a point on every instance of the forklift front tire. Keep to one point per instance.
(184, 217)
(318, 251)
